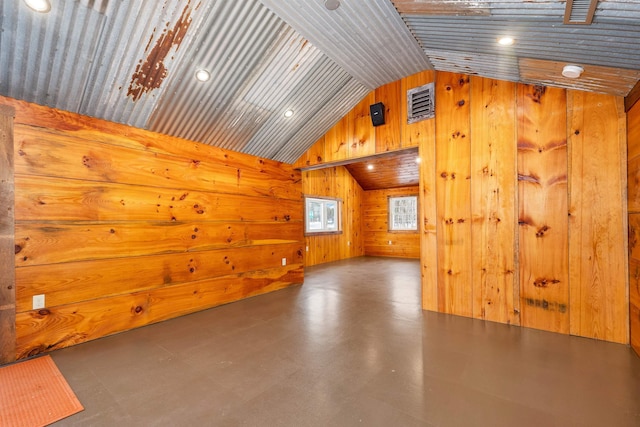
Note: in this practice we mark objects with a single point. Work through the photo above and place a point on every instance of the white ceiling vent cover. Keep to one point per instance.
(421, 103)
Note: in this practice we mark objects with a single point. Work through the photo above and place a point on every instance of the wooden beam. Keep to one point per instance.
(438, 7)
(7, 238)
(632, 97)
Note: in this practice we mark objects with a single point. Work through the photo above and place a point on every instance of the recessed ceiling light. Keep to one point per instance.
(332, 4)
(288, 113)
(370, 167)
(418, 160)
(203, 75)
(572, 71)
(506, 41)
(42, 6)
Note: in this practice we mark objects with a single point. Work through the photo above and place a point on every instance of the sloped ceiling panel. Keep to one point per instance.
(44, 60)
(467, 42)
(235, 44)
(368, 39)
(343, 102)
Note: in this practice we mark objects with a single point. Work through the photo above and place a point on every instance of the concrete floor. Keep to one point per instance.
(349, 347)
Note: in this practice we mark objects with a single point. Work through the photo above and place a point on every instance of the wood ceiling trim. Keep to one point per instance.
(612, 81)
(632, 97)
(438, 7)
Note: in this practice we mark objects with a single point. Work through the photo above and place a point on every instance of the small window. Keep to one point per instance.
(322, 215)
(403, 213)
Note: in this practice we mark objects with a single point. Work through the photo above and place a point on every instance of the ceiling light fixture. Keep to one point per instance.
(506, 41)
(370, 167)
(42, 6)
(288, 113)
(418, 160)
(202, 75)
(332, 4)
(572, 71)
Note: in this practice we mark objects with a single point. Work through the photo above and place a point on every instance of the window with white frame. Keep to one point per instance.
(322, 215)
(403, 213)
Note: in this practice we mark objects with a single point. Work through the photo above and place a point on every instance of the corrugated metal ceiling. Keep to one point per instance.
(133, 61)
(467, 42)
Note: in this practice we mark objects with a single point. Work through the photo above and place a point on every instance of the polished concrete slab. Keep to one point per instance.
(351, 347)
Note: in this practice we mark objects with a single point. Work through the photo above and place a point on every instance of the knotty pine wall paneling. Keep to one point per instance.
(453, 191)
(493, 195)
(530, 230)
(375, 213)
(633, 198)
(542, 207)
(119, 227)
(388, 135)
(355, 137)
(7, 238)
(598, 242)
(337, 141)
(335, 182)
(361, 131)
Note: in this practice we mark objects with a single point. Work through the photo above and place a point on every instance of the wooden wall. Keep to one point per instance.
(335, 182)
(375, 214)
(530, 209)
(355, 137)
(522, 199)
(119, 227)
(633, 170)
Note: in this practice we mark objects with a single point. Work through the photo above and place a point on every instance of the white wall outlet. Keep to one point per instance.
(348, 243)
(38, 302)
(307, 248)
(284, 261)
(389, 241)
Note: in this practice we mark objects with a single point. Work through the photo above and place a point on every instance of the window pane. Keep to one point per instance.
(332, 215)
(314, 210)
(403, 213)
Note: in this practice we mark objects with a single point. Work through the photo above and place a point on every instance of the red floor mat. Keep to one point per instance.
(34, 393)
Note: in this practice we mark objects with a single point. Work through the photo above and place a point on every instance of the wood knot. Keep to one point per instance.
(544, 283)
(461, 103)
(18, 249)
(137, 309)
(542, 231)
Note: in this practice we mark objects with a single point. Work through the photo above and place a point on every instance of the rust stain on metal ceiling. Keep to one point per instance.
(151, 72)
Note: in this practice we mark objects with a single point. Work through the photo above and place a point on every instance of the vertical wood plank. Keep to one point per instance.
(598, 222)
(7, 239)
(388, 134)
(453, 165)
(412, 134)
(428, 218)
(542, 207)
(361, 130)
(493, 195)
(336, 141)
(633, 184)
(313, 156)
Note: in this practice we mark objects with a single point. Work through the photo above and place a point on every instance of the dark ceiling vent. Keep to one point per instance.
(580, 11)
(420, 103)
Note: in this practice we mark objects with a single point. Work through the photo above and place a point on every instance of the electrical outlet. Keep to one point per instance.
(284, 261)
(38, 302)
(307, 248)
(389, 241)
(348, 243)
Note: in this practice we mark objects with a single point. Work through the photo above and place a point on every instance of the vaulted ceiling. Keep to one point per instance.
(134, 61)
